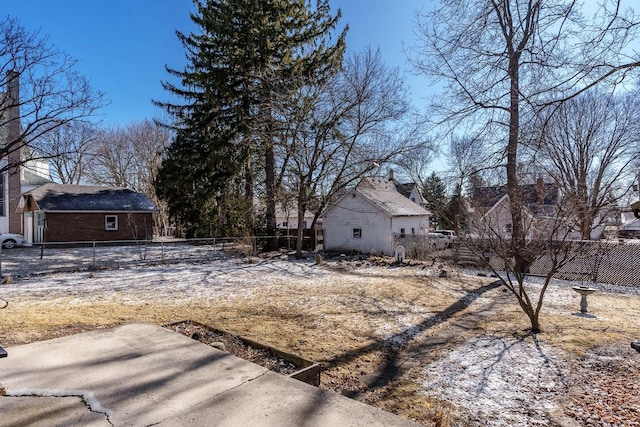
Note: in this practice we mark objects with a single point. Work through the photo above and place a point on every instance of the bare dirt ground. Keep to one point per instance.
(442, 351)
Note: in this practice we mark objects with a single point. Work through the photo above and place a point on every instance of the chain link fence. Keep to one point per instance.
(604, 261)
(79, 256)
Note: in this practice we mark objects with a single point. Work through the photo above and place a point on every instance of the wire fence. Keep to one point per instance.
(55, 257)
(602, 261)
(615, 262)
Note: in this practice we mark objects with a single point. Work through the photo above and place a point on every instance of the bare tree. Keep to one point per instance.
(417, 162)
(587, 146)
(505, 61)
(130, 156)
(341, 131)
(469, 158)
(44, 92)
(70, 148)
(114, 162)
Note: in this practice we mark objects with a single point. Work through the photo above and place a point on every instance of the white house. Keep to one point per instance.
(408, 189)
(287, 218)
(492, 211)
(28, 175)
(373, 218)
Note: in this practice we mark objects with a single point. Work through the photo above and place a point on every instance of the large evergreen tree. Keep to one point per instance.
(245, 51)
(435, 194)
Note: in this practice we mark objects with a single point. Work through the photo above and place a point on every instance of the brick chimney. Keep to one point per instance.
(13, 144)
(390, 174)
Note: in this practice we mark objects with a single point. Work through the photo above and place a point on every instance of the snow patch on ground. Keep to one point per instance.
(499, 381)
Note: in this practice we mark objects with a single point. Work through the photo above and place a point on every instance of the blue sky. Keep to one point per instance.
(123, 45)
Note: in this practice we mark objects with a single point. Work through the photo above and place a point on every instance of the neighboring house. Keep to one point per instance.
(287, 218)
(408, 189)
(16, 180)
(71, 213)
(630, 223)
(492, 210)
(630, 230)
(373, 218)
(635, 207)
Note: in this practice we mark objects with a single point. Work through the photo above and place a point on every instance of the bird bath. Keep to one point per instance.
(583, 291)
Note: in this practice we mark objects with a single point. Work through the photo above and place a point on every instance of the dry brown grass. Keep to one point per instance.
(341, 327)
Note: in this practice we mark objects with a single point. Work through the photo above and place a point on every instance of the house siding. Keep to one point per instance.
(72, 227)
(419, 224)
(357, 212)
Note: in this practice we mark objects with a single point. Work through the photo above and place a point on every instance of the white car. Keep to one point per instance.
(438, 241)
(11, 240)
(450, 235)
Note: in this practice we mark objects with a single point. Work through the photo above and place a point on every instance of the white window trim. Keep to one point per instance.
(107, 222)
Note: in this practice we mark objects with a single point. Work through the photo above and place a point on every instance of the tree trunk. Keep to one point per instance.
(535, 323)
(518, 241)
(248, 192)
(269, 164)
(302, 206)
(300, 231)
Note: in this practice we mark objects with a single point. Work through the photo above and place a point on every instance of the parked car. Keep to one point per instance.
(438, 241)
(11, 240)
(450, 235)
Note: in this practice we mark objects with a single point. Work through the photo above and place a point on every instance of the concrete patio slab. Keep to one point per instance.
(142, 374)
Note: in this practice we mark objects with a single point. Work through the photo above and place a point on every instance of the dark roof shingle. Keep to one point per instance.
(63, 197)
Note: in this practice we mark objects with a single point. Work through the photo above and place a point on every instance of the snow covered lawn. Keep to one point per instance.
(449, 350)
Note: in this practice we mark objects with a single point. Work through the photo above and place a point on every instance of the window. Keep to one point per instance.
(413, 231)
(304, 224)
(402, 233)
(508, 228)
(357, 233)
(285, 224)
(111, 222)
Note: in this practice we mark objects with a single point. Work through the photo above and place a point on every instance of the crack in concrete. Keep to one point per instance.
(219, 394)
(86, 396)
(239, 385)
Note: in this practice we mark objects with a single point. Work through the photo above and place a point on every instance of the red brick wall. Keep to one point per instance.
(77, 227)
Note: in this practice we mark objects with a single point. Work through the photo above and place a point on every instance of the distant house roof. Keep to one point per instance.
(404, 189)
(533, 194)
(383, 193)
(30, 178)
(63, 197)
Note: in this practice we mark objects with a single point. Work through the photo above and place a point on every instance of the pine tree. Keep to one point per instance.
(435, 194)
(246, 51)
(457, 216)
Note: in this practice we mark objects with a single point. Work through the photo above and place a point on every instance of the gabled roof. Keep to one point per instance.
(404, 189)
(383, 194)
(532, 194)
(63, 197)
